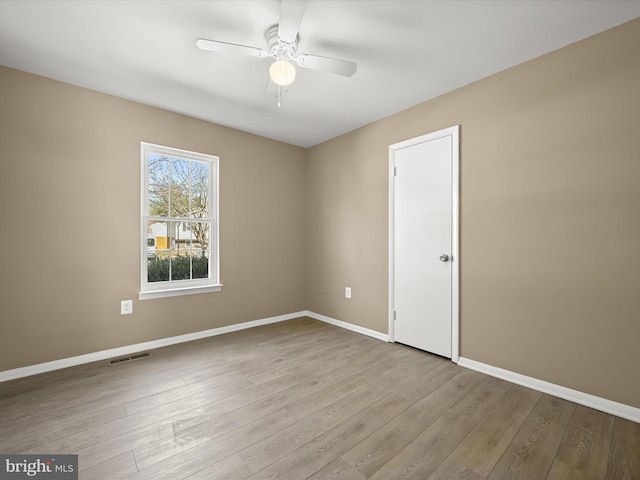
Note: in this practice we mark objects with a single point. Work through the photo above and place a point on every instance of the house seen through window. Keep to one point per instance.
(179, 222)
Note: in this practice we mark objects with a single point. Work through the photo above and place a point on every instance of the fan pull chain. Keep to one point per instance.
(286, 89)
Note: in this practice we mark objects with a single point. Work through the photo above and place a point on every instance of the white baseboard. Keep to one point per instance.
(138, 347)
(349, 326)
(588, 400)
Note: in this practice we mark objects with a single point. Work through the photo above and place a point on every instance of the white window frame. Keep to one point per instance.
(149, 290)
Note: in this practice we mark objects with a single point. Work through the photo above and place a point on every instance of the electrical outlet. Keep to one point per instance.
(126, 307)
(347, 292)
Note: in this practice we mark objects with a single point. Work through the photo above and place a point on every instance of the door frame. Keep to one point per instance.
(454, 133)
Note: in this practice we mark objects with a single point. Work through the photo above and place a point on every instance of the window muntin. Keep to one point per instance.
(179, 222)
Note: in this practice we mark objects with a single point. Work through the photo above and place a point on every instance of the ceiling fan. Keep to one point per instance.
(282, 46)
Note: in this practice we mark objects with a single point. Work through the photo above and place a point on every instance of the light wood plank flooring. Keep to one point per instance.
(305, 400)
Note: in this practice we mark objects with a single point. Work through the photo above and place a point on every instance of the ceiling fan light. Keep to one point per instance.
(282, 73)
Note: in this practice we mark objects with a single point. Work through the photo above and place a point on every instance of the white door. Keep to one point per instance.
(424, 239)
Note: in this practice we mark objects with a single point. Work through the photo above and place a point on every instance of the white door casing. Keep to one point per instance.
(423, 226)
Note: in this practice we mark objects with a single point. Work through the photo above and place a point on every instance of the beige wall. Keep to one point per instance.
(550, 222)
(70, 196)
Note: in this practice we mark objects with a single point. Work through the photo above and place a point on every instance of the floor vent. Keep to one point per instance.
(137, 356)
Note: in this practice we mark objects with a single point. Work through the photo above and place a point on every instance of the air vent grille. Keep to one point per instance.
(136, 356)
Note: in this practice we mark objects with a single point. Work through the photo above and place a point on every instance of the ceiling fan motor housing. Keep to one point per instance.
(279, 49)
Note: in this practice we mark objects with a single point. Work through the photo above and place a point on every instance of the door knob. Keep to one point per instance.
(444, 257)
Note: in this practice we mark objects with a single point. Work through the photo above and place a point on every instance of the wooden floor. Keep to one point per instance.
(306, 400)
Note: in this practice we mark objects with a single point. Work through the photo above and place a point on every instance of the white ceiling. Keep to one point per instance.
(407, 52)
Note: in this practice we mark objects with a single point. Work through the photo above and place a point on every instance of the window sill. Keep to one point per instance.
(176, 292)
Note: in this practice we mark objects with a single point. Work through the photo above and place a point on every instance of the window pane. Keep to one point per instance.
(199, 236)
(180, 188)
(158, 269)
(158, 233)
(157, 251)
(200, 267)
(199, 190)
(197, 248)
(158, 185)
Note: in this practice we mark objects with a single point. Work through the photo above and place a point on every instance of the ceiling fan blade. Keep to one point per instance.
(345, 68)
(291, 12)
(217, 46)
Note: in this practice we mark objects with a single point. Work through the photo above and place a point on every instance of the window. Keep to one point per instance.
(179, 222)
